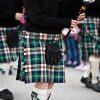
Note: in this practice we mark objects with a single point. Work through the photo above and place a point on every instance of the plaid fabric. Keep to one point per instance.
(32, 55)
(90, 39)
(6, 54)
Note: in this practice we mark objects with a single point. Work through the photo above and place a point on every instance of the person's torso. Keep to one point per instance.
(61, 8)
(54, 9)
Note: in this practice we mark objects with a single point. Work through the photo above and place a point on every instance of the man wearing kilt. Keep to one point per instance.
(10, 16)
(91, 46)
(44, 25)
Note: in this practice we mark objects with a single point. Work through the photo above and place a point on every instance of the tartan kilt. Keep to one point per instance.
(33, 67)
(90, 37)
(6, 54)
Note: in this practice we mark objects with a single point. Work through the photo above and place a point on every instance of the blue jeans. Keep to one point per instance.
(72, 49)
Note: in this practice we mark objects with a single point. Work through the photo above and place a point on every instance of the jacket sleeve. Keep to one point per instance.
(10, 14)
(96, 3)
(19, 6)
(6, 15)
(37, 16)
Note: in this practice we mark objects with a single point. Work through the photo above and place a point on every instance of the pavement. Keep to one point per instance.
(73, 89)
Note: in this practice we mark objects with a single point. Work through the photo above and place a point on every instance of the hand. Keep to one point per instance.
(75, 30)
(19, 16)
(74, 23)
(65, 31)
(81, 17)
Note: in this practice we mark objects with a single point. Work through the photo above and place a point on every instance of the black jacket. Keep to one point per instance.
(49, 16)
(71, 8)
(94, 9)
(8, 8)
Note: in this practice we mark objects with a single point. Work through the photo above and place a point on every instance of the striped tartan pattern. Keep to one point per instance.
(6, 54)
(32, 55)
(90, 39)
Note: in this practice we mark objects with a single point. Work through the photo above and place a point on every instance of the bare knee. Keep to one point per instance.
(44, 85)
(41, 85)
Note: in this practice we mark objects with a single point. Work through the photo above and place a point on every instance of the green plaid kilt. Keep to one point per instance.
(90, 37)
(6, 54)
(32, 59)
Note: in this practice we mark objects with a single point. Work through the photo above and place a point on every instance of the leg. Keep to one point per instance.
(50, 86)
(75, 51)
(14, 64)
(69, 51)
(41, 91)
(41, 86)
(94, 68)
(4, 92)
(86, 78)
(95, 64)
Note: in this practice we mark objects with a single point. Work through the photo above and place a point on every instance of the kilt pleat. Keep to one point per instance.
(6, 54)
(90, 37)
(32, 59)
